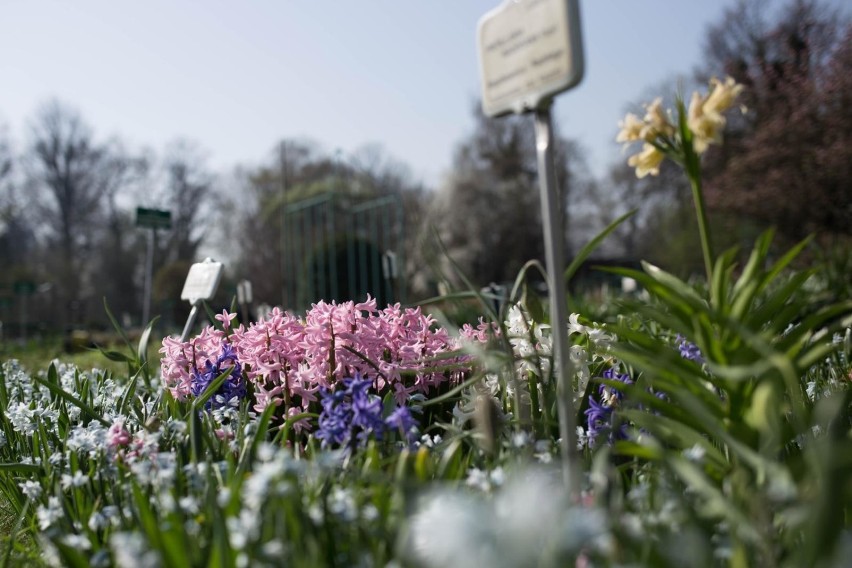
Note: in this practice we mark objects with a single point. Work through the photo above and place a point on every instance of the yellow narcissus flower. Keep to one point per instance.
(656, 122)
(631, 127)
(705, 118)
(723, 95)
(647, 161)
(706, 128)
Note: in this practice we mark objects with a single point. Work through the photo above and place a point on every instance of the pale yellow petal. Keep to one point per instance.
(656, 121)
(631, 126)
(722, 96)
(647, 161)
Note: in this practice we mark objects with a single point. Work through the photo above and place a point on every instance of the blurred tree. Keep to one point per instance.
(66, 171)
(488, 213)
(16, 236)
(17, 239)
(187, 193)
(788, 161)
(119, 252)
(77, 186)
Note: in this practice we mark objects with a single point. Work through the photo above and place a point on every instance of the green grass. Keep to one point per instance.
(36, 356)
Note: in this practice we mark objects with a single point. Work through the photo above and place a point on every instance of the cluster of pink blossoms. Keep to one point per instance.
(287, 360)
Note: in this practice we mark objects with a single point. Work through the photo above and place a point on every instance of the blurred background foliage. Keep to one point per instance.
(67, 196)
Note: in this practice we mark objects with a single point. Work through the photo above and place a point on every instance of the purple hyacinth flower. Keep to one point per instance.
(599, 415)
(234, 385)
(402, 421)
(689, 350)
(351, 415)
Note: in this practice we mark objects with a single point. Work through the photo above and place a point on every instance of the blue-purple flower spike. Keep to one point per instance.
(350, 416)
(689, 350)
(599, 415)
(234, 385)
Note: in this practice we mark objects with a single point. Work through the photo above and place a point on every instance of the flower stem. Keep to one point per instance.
(703, 225)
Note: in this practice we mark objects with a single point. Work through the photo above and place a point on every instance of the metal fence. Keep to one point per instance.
(340, 248)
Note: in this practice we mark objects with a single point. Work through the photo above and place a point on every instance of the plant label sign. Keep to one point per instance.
(153, 218)
(202, 281)
(529, 51)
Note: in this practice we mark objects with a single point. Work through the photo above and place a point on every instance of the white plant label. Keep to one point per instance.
(202, 281)
(529, 50)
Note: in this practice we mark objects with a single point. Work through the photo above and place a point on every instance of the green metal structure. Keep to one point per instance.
(337, 247)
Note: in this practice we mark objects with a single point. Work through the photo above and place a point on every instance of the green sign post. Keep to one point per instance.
(24, 287)
(151, 219)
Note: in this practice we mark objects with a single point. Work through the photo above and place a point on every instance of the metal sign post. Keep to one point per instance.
(529, 51)
(244, 299)
(152, 219)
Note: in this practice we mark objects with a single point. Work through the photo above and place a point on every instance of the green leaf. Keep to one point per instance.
(211, 315)
(452, 393)
(721, 277)
(116, 356)
(756, 259)
(672, 431)
(20, 467)
(774, 308)
(785, 260)
(212, 389)
(259, 433)
(714, 501)
(590, 247)
(486, 306)
(116, 326)
(70, 556)
(762, 414)
(142, 350)
(129, 392)
(636, 450)
(676, 286)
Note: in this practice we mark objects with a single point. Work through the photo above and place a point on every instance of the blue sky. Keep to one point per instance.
(238, 76)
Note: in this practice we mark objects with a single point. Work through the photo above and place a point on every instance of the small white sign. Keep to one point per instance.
(529, 50)
(244, 292)
(202, 281)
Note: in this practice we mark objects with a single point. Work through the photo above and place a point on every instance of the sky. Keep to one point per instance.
(238, 76)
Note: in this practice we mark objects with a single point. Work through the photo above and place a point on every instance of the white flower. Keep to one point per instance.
(47, 516)
(695, 454)
(574, 325)
(521, 439)
(224, 497)
(22, 418)
(430, 441)
(89, 439)
(189, 505)
(76, 541)
(131, 549)
(342, 504)
(77, 480)
(582, 438)
(478, 479)
(31, 489)
(528, 522)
